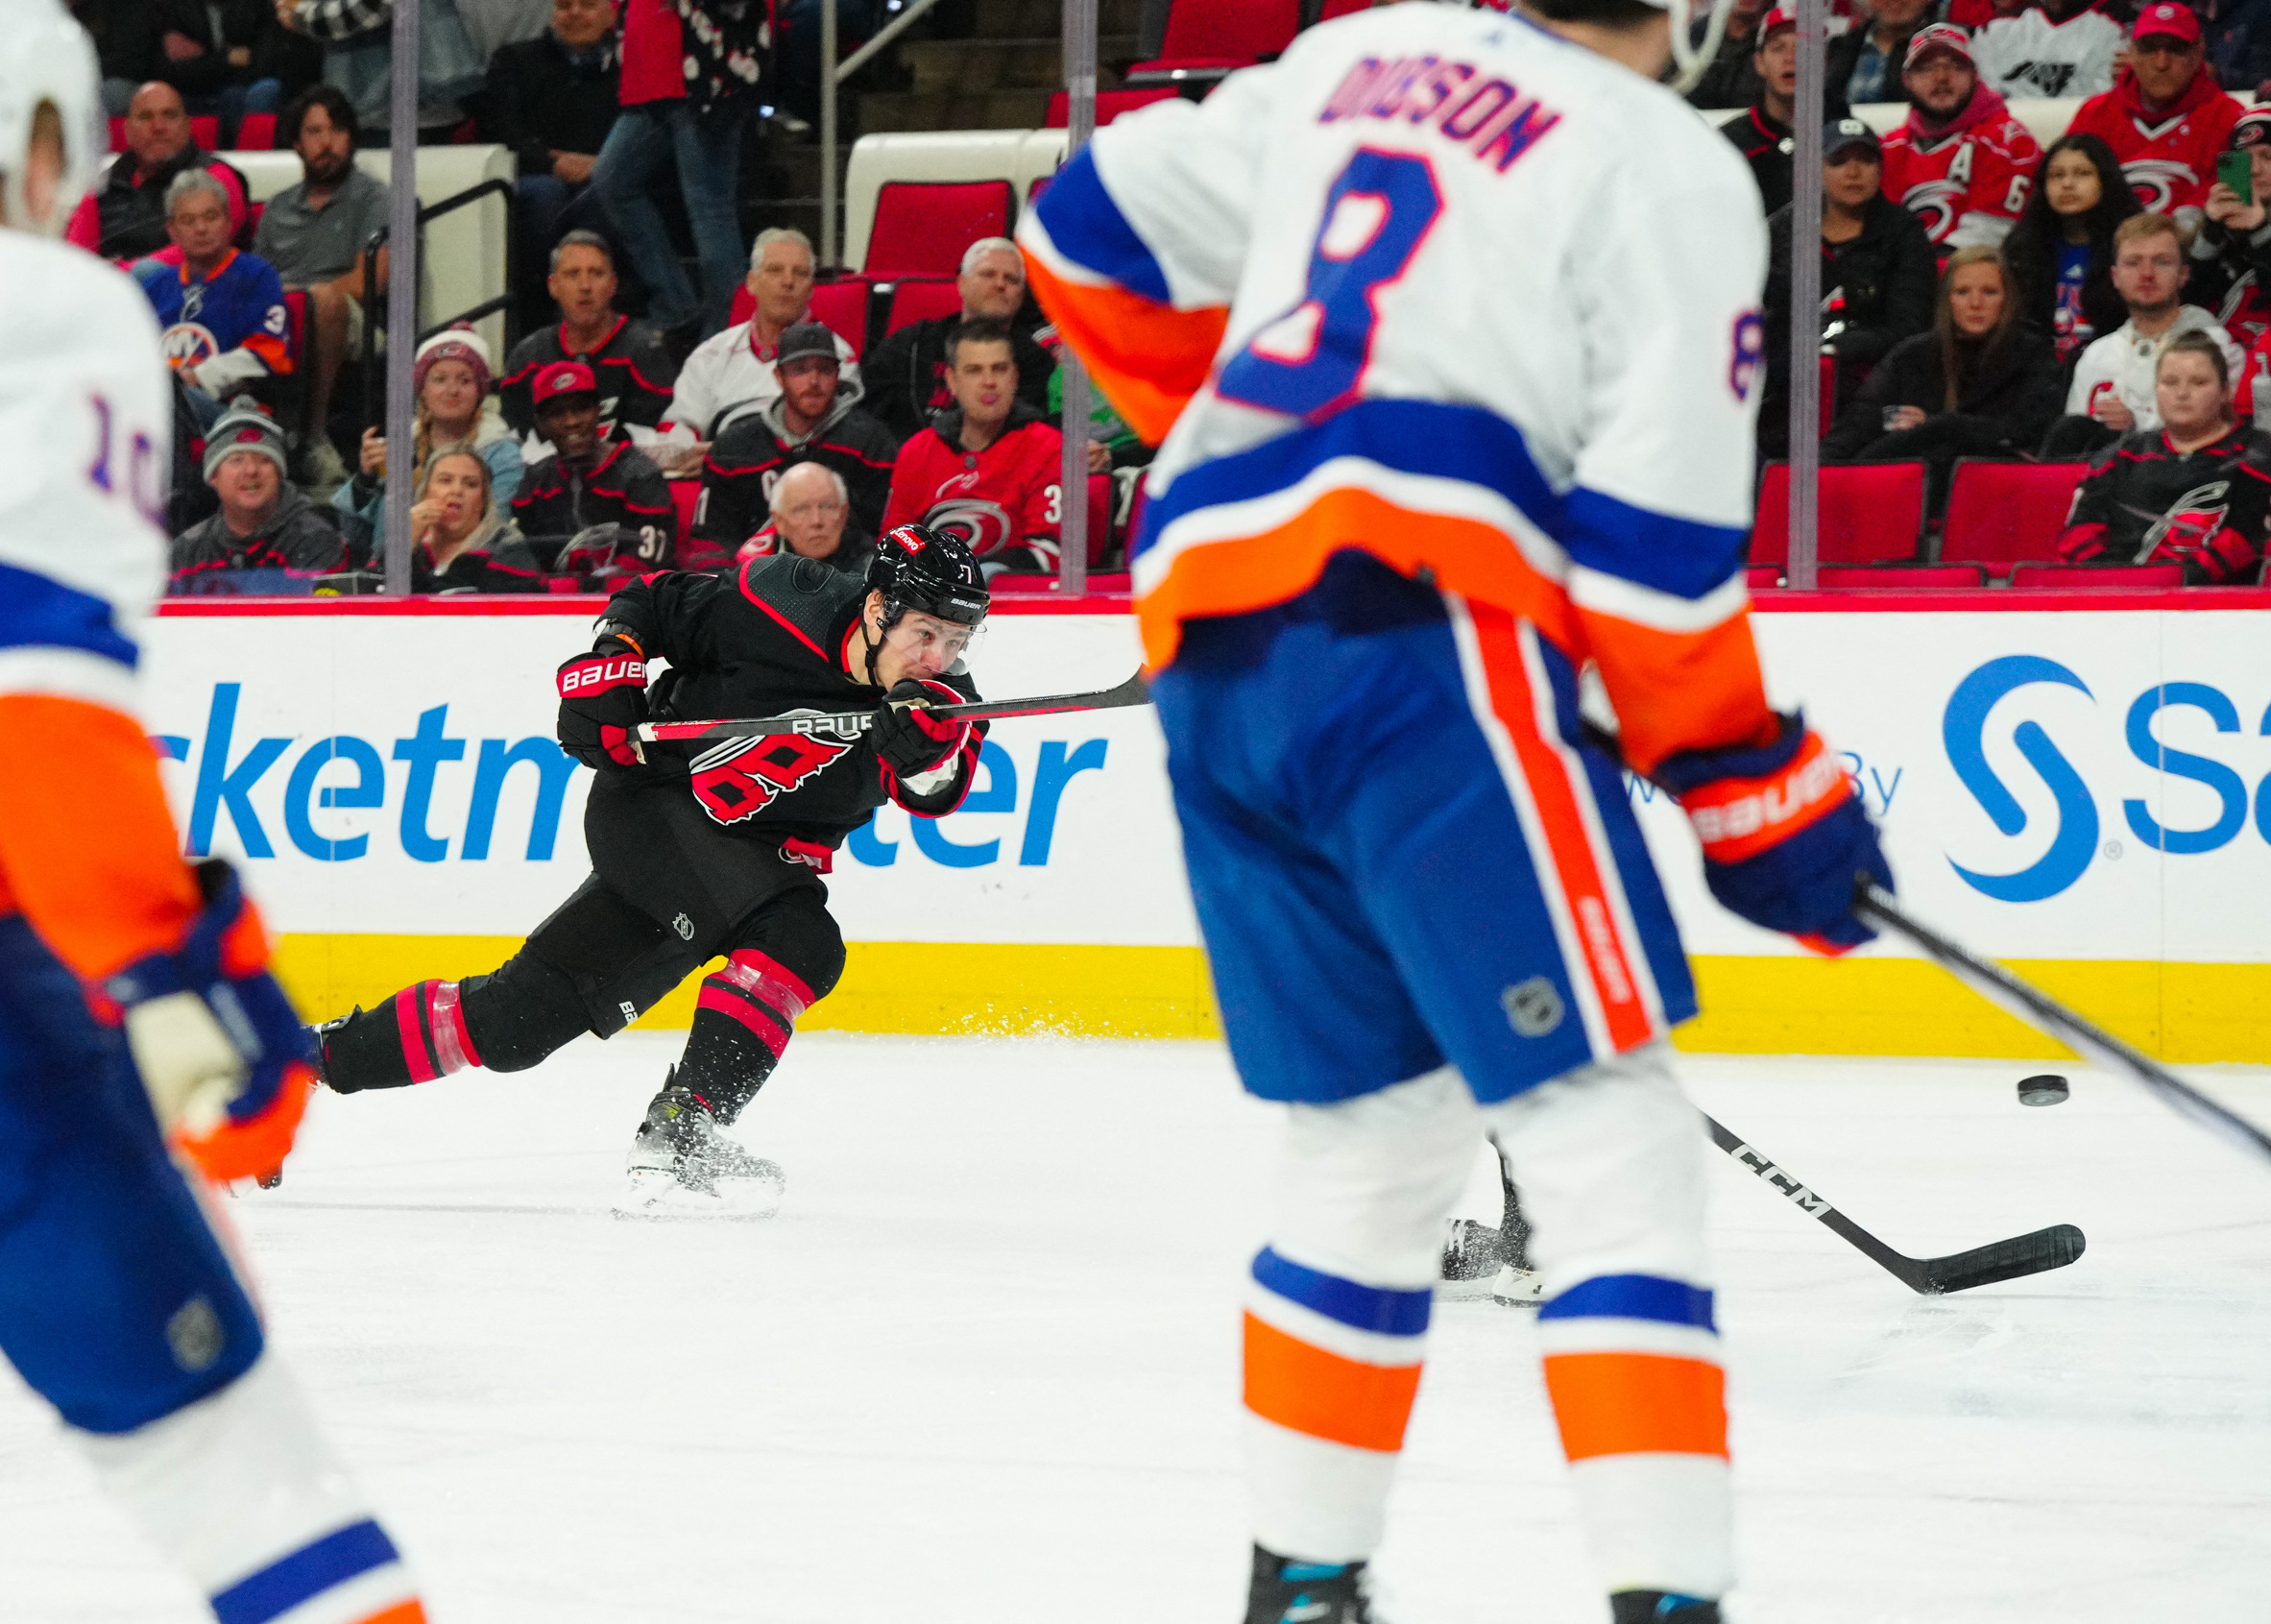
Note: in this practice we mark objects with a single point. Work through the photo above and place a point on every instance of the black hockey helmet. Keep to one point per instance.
(931, 572)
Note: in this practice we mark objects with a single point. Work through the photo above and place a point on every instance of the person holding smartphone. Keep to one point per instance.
(2232, 255)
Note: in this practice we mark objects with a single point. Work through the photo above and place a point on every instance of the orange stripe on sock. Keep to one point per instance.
(410, 1612)
(1637, 1403)
(1304, 1388)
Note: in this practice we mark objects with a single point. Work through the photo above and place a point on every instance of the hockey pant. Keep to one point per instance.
(121, 1305)
(1429, 915)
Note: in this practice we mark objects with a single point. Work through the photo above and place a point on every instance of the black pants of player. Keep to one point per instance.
(668, 892)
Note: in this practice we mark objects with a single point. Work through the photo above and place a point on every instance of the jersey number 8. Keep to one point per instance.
(1308, 361)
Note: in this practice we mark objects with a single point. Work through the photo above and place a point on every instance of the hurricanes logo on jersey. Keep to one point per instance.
(1935, 203)
(741, 776)
(983, 526)
(2191, 518)
(2157, 180)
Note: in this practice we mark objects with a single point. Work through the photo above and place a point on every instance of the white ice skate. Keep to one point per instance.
(1515, 1288)
(682, 1166)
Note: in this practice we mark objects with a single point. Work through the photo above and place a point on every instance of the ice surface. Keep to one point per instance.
(983, 1367)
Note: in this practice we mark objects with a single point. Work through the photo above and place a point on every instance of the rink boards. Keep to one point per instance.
(2082, 789)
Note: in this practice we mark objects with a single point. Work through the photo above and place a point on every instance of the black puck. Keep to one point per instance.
(2048, 1089)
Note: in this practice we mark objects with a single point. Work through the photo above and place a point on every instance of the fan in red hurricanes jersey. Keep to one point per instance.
(991, 470)
(1960, 164)
(2165, 118)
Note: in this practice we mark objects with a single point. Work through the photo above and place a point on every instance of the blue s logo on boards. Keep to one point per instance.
(1963, 730)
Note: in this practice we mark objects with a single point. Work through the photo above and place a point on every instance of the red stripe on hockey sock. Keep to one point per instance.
(770, 980)
(726, 1001)
(407, 1005)
(408, 1613)
(1305, 1389)
(452, 1042)
(1637, 1404)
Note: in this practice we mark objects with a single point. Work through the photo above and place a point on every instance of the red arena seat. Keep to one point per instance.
(1109, 105)
(118, 135)
(255, 133)
(2096, 577)
(1762, 577)
(922, 298)
(2005, 512)
(686, 493)
(206, 131)
(1901, 577)
(922, 227)
(1870, 513)
(1208, 40)
(843, 306)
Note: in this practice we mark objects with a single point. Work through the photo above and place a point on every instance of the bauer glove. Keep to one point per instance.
(602, 702)
(226, 1064)
(910, 740)
(1784, 838)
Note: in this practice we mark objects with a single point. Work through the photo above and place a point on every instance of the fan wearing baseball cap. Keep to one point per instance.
(1762, 133)
(1960, 164)
(2232, 255)
(2165, 118)
(591, 482)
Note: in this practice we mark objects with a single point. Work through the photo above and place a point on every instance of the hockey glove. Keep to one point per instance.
(910, 740)
(228, 1065)
(602, 701)
(1784, 838)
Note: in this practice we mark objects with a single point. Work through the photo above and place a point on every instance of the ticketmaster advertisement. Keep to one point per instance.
(2085, 793)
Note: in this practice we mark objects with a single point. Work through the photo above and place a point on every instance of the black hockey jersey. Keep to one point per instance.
(634, 370)
(774, 637)
(2144, 502)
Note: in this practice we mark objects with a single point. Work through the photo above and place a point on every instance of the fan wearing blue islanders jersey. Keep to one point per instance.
(220, 311)
(138, 1021)
(1447, 440)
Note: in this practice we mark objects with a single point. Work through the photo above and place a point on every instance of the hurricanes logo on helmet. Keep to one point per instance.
(983, 526)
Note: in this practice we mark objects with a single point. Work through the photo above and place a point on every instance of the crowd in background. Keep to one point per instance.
(1981, 297)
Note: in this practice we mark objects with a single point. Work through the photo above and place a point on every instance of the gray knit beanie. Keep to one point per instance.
(245, 427)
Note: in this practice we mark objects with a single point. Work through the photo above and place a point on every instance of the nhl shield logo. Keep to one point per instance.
(685, 928)
(1533, 1008)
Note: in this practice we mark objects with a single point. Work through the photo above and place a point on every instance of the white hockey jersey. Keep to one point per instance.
(86, 430)
(2029, 54)
(2122, 364)
(1435, 285)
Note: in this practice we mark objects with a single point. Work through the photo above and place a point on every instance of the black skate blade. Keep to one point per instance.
(2036, 1253)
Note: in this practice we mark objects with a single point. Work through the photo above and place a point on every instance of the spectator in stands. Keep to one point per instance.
(314, 234)
(733, 372)
(358, 37)
(222, 311)
(265, 521)
(906, 377)
(2232, 255)
(590, 483)
(1962, 164)
(1864, 63)
(552, 100)
(689, 74)
(812, 515)
(125, 33)
(2053, 48)
(816, 418)
(455, 409)
(2061, 252)
(463, 543)
(1877, 275)
(634, 367)
(1732, 80)
(1762, 134)
(2113, 387)
(2195, 489)
(2238, 40)
(989, 468)
(1981, 383)
(123, 218)
(2165, 118)
(229, 57)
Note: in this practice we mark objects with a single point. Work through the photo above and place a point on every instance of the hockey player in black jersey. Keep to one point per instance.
(702, 851)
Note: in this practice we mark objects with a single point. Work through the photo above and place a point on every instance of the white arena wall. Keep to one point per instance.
(2077, 784)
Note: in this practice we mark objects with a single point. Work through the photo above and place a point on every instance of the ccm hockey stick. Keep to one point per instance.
(848, 724)
(2006, 991)
(2043, 1250)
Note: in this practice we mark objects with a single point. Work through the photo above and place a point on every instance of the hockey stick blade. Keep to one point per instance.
(2038, 1008)
(848, 724)
(2032, 1253)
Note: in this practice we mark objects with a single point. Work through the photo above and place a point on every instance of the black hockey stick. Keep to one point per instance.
(2007, 992)
(851, 723)
(2043, 1250)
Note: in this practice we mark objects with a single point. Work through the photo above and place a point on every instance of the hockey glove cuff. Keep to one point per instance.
(908, 737)
(602, 702)
(226, 1064)
(1784, 838)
